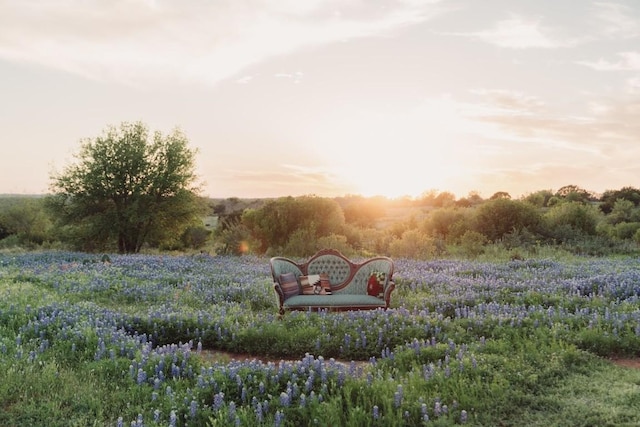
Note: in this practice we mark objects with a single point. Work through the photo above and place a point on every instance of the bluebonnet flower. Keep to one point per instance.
(259, 414)
(397, 399)
(376, 412)
(437, 408)
(285, 399)
(279, 418)
(218, 400)
(142, 376)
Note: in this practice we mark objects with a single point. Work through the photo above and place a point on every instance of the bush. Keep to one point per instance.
(498, 217)
(572, 219)
(416, 245)
(472, 243)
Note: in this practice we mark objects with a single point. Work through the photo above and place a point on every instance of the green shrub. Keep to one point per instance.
(414, 244)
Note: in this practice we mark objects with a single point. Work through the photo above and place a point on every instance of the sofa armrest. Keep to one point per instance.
(387, 292)
(280, 295)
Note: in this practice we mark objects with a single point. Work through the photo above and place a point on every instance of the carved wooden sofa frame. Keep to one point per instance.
(348, 282)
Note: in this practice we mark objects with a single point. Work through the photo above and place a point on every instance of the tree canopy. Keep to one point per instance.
(127, 188)
(273, 224)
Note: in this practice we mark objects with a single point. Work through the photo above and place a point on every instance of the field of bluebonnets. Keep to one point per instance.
(133, 340)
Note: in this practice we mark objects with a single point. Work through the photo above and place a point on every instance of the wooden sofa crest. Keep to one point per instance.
(348, 282)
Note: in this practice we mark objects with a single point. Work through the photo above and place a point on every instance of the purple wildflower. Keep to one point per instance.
(193, 407)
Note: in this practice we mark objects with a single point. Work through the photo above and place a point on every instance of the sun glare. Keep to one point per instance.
(396, 177)
(400, 154)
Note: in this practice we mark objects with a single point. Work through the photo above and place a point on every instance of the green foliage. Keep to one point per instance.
(93, 340)
(610, 197)
(25, 218)
(338, 242)
(448, 223)
(415, 244)
(273, 224)
(566, 221)
(127, 189)
(623, 211)
(573, 193)
(496, 218)
(625, 230)
(195, 236)
(472, 243)
(363, 212)
(539, 198)
(233, 240)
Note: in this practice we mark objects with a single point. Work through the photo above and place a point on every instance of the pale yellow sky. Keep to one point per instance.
(335, 97)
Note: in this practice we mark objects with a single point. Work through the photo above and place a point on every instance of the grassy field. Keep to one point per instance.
(131, 341)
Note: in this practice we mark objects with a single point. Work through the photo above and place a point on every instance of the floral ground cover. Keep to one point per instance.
(118, 340)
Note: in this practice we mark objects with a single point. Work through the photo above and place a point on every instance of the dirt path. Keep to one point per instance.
(225, 356)
(627, 362)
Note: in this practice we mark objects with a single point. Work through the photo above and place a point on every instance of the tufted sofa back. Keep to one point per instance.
(338, 269)
(345, 276)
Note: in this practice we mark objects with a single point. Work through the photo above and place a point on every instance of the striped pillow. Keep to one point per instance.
(309, 284)
(315, 284)
(289, 285)
(325, 284)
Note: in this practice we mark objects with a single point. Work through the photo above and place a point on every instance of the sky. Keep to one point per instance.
(332, 98)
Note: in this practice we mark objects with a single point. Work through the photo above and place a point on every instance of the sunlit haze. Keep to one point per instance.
(290, 97)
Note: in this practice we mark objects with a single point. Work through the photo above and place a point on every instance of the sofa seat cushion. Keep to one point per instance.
(339, 300)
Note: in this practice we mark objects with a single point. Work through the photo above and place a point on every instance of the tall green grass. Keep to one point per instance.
(133, 342)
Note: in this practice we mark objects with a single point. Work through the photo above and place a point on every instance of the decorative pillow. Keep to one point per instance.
(325, 284)
(289, 285)
(315, 284)
(309, 283)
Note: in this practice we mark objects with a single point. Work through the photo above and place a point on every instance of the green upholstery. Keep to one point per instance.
(329, 301)
(337, 268)
(358, 284)
(281, 265)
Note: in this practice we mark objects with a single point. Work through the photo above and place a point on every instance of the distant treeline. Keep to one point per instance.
(433, 225)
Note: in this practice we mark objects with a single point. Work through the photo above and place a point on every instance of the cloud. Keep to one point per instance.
(616, 20)
(244, 80)
(633, 85)
(628, 61)
(281, 179)
(157, 41)
(609, 131)
(530, 145)
(518, 33)
(510, 101)
(295, 77)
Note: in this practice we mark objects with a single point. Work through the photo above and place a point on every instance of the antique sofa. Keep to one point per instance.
(345, 285)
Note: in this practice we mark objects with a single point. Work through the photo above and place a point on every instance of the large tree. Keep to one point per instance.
(273, 224)
(127, 188)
